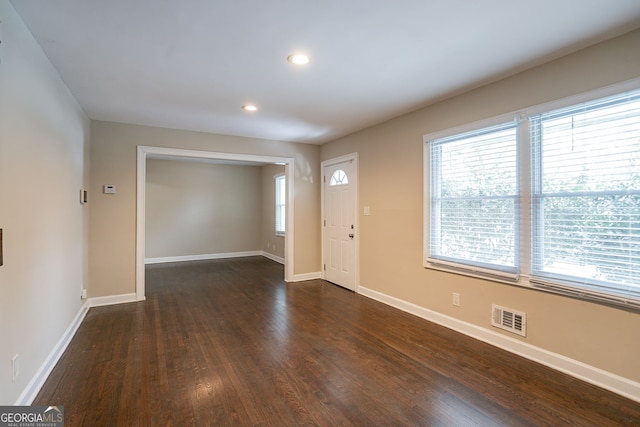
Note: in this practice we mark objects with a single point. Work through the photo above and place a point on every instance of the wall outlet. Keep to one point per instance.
(456, 299)
(83, 294)
(15, 367)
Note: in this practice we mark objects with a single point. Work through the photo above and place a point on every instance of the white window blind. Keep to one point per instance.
(474, 199)
(281, 204)
(586, 199)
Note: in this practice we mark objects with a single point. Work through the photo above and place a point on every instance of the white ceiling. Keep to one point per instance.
(192, 64)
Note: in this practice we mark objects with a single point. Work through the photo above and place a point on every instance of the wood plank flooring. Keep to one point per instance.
(228, 342)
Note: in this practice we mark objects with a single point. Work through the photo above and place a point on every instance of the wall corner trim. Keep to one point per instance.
(36, 383)
(596, 376)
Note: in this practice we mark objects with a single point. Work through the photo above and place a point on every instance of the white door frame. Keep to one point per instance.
(177, 153)
(353, 157)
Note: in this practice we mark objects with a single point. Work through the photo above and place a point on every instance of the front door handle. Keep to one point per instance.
(351, 235)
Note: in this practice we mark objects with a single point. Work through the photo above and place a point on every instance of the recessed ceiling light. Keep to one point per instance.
(298, 59)
(249, 107)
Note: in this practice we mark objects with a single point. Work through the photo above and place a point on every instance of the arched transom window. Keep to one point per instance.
(339, 177)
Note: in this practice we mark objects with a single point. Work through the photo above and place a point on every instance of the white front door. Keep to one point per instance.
(339, 223)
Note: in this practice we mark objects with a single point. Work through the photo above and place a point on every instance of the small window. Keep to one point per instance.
(339, 177)
(281, 204)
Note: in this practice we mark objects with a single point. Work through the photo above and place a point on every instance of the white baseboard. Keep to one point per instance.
(273, 257)
(201, 257)
(38, 380)
(111, 300)
(36, 383)
(596, 376)
(307, 276)
(296, 277)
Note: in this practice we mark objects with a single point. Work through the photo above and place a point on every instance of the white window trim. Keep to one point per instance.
(453, 267)
(523, 279)
(280, 233)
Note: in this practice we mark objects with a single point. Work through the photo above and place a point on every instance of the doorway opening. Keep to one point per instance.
(147, 152)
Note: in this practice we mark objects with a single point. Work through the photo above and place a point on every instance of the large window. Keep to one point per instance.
(474, 198)
(281, 204)
(550, 200)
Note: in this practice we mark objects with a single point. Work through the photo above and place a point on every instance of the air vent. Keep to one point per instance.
(509, 320)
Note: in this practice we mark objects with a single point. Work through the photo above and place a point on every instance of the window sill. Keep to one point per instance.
(526, 282)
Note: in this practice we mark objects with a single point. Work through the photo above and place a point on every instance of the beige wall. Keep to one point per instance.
(44, 137)
(195, 208)
(391, 177)
(270, 242)
(113, 217)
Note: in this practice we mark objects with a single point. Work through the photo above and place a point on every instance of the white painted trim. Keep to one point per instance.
(272, 257)
(289, 252)
(147, 151)
(280, 233)
(201, 257)
(521, 118)
(592, 95)
(111, 300)
(336, 160)
(36, 383)
(141, 190)
(469, 127)
(162, 260)
(596, 376)
(306, 276)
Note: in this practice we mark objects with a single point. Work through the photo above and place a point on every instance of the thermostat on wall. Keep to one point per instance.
(109, 189)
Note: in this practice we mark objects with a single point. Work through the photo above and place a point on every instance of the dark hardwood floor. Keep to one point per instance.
(227, 342)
